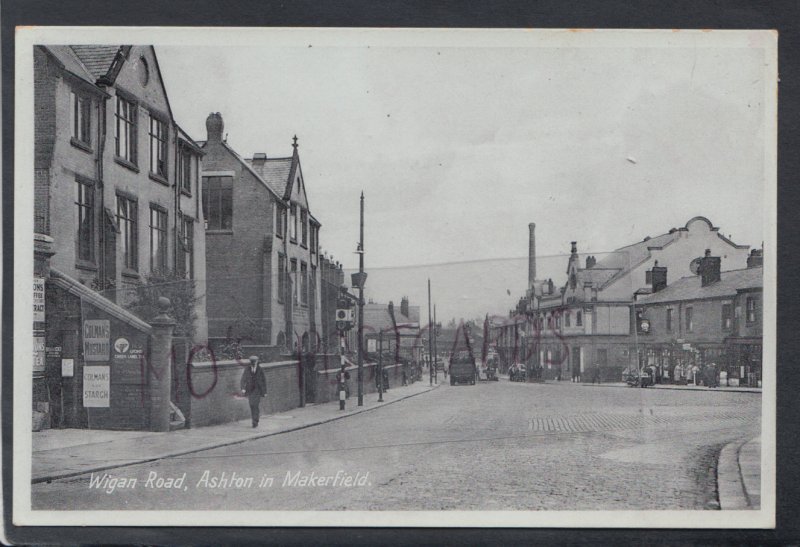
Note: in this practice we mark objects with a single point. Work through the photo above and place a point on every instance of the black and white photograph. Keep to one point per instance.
(395, 277)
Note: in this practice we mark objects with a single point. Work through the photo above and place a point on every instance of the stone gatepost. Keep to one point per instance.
(160, 371)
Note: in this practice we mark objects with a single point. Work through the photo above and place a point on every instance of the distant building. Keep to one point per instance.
(587, 321)
(331, 282)
(400, 326)
(712, 317)
(262, 248)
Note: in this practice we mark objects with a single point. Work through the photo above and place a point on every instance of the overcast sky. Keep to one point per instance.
(457, 149)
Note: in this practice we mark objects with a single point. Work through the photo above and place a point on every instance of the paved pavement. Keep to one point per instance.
(492, 446)
(739, 475)
(59, 453)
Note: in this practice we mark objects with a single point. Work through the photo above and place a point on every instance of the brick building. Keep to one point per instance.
(400, 326)
(712, 317)
(262, 248)
(117, 199)
(569, 328)
(331, 283)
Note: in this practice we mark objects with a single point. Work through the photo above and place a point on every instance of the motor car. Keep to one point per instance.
(517, 373)
(640, 378)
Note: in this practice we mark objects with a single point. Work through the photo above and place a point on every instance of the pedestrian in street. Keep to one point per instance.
(254, 387)
(596, 377)
(711, 376)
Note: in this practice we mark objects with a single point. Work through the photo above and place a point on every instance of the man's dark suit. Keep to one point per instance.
(254, 385)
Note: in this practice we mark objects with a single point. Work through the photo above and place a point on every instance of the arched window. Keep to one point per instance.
(579, 318)
(306, 346)
(281, 343)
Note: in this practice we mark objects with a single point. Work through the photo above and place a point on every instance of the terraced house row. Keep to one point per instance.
(129, 208)
(676, 302)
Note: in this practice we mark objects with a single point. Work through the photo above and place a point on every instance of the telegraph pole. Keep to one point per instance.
(435, 347)
(380, 366)
(361, 306)
(430, 333)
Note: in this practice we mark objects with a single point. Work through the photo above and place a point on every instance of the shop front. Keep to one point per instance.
(98, 371)
(744, 361)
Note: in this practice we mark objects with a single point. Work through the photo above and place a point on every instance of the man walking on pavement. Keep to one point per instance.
(254, 387)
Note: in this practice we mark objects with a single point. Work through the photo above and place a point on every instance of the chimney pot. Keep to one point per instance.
(658, 277)
(709, 269)
(214, 127)
(756, 258)
(574, 247)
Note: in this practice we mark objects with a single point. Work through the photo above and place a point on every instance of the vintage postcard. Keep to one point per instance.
(395, 277)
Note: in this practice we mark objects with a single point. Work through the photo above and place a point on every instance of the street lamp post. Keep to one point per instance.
(358, 280)
(430, 335)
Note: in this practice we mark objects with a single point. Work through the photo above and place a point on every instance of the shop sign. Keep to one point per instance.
(96, 339)
(53, 352)
(38, 352)
(38, 299)
(96, 386)
(67, 368)
(128, 350)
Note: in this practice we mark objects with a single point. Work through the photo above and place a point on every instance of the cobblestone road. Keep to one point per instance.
(496, 445)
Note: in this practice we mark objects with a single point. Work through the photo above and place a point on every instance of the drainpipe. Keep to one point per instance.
(176, 206)
(98, 163)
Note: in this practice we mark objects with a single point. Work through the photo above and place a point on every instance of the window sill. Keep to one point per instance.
(85, 265)
(219, 232)
(158, 178)
(304, 246)
(86, 147)
(127, 272)
(186, 192)
(127, 164)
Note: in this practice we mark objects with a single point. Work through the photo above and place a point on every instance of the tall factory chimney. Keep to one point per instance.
(531, 255)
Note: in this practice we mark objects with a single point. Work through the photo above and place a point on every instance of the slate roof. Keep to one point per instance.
(631, 255)
(377, 317)
(275, 172)
(96, 58)
(690, 288)
(71, 63)
(596, 275)
(247, 165)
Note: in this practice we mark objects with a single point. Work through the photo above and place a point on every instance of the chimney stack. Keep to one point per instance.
(756, 258)
(590, 262)
(214, 127)
(658, 277)
(404, 306)
(259, 159)
(574, 250)
(531, 255)
(709, 269)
